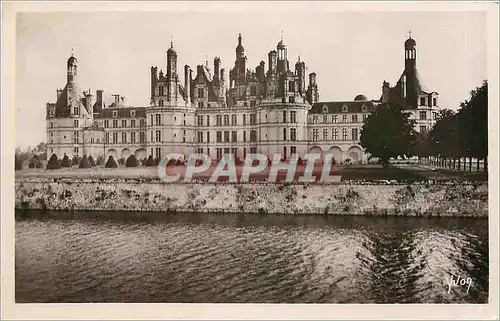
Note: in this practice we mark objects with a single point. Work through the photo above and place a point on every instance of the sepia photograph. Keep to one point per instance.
(244, 153)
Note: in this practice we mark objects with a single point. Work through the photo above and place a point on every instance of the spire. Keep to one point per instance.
(239, 39)
(72, 50)
(409, 34)
(281, 35)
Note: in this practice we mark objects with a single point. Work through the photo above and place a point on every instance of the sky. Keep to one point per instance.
(351, 52)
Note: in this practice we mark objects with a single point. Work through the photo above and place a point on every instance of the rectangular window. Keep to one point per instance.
(143, 123)
(106, 138)
(244, 153)
(325, 134)
(76, 137)
(132, 137)
(51, 125)
(253, 103)
(199, 119)
(124, 138)
(219, 120)
(244, 135)
(291, 86)
(160, 103)
(244, 119)
(200, 137)
(233, 120)
(344, 133)
(75, 122)
(158, 152)
(335, 134)
(422, 101)
(423, 115)
(158, 119)
(152, 137)
(76, 149)
(293, 134)
(423, 128)
(293, 150)
(201, 104)
(208, 137)
(51, 134)
(234, 151)
(77, 110)
(234, 136)
(253, 150)
(208, 120)
(158, 136)
(334, 119)
(434, 115)
(200, 92)
(344, 118)
(315, 119)
(219, 153)
(253, 90)
(253, 136)
(226, 120)
(142, 137)
(161, 91)
(293, 116)
(115, 123)
(284, 116)
(226, 150)
(315, 134)
(253, 119)
(365, 117)
(354, 118)
(132, 123)
(325, 119)
(226, 136)
(219, 137)
(124, 123)
(354, 134)
(115, 138)
(284, 134)
(434, 101)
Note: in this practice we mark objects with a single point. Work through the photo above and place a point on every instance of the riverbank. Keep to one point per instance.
(419, 198)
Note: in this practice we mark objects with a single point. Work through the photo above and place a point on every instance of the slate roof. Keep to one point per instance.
(123, 112)
(337, 107)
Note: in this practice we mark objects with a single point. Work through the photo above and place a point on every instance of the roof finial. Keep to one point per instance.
(281, 35)
(299, 58)
(171, 40)
(72, 49)
(206, 60)
(409, 33)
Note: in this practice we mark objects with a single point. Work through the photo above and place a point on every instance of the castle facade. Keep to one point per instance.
(273, 110)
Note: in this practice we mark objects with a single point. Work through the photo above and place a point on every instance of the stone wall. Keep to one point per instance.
(356, 198)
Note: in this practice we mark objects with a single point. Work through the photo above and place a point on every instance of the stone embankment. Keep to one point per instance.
(436, 198)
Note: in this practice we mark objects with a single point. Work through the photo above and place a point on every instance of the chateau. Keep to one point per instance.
(265, 110)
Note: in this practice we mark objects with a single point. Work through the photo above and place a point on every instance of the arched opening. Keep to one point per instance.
(355, 154)
(112, 152)
(125, 153)
(141, 153)
(317, 150)
(337, 154)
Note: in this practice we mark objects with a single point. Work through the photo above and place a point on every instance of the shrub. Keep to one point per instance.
(150, 161)
(18, 164)
(75, 160)
(111, 163)
(121, 161)
(84, 162)
(131, 161)
(54, 162)
(100, 161)
(91, 161)
(65, 161)
(157, 161)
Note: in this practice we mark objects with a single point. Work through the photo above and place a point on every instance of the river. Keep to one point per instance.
(222, 258)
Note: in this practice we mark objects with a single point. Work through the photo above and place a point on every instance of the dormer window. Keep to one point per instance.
(325, 109)
(363, 108)
(115, 113)
(345, 109)
(132, 112)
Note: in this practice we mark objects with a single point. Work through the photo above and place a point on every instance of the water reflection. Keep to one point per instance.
(148, 257)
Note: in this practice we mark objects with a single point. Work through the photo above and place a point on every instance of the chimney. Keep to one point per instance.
(312, 79)
(216, 67)
(59, 92)
(187, 83)
(154, 78)
(272, 61)
(99, 97)
(385, 92)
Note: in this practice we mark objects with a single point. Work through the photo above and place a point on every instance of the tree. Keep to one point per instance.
(53, 162)
(132, 161)
(18, 164)
(111, 163)
(150, 161)
(388, 132)
(75, 161)
(35, 162)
